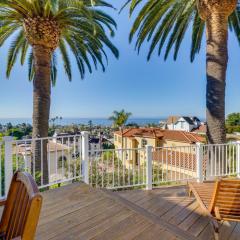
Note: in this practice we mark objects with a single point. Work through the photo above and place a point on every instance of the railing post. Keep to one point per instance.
(199, 162)
(8, 163)
(238, 159)
(149, 157)
(85, 156)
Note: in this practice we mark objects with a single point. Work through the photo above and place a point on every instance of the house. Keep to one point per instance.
(201, 130)
(95, 145)
(171, 122)
(61, 158)
(137, 138)
(183, 123)
(156, 137)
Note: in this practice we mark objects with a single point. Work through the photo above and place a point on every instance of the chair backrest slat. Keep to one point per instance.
(22, 195)
(227, 200)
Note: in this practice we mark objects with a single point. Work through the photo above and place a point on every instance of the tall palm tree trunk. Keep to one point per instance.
(41, 108)
(217, 60)
(216, 13)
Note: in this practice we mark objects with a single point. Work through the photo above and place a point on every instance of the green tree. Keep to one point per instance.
(42, 26)
(233, 119)
(161, 21)
(16, 133)
(119, 120)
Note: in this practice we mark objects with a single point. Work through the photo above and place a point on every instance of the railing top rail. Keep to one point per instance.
(46, 138)
(118, 149)
(221, 144)
(180, 146)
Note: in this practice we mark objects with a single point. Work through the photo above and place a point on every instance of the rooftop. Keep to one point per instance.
(78, 211)
(181, 136)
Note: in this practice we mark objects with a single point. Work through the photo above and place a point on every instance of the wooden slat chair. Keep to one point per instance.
(22, 209)
(220, 200)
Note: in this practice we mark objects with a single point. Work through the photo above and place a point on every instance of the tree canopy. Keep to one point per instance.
(81, 24)
(165, 23)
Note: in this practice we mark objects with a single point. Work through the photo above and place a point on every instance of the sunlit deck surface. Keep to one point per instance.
(77, 211)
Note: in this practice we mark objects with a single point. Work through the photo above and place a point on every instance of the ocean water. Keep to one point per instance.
(95, 121)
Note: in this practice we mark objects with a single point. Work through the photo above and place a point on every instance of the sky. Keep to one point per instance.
(147, 89)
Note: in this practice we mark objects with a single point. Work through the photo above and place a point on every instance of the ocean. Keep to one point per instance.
(95, 121)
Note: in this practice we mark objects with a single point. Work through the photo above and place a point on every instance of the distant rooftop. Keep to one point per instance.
(181, 136)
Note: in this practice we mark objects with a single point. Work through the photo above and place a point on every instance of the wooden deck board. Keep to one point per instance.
(173, 205)
(77, 212)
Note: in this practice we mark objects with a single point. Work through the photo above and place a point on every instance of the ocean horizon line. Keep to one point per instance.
(95, 121)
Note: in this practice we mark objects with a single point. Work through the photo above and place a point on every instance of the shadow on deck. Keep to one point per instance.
(77, 211)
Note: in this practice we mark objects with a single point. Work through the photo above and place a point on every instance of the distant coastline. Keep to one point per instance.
(95, 121)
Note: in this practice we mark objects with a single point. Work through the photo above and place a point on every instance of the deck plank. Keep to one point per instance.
(78, 211)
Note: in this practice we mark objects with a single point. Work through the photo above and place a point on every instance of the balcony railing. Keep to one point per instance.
(56, 160)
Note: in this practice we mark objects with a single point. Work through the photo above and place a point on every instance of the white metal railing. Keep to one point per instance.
(51, 160)
(221, 160)
(117, 168)
(56, 160)
(173, 164)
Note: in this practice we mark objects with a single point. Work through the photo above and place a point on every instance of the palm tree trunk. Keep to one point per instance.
(216, 13)
(217, 60)
(41, 108)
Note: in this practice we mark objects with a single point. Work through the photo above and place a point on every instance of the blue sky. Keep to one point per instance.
(147, 89)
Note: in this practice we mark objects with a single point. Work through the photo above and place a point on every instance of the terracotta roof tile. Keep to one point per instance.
(173, 135)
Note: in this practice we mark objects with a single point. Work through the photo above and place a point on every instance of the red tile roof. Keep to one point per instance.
(173, 135)
(200, 129)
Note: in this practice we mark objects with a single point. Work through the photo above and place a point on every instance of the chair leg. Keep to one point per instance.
(216, 236)
(189, 192)
(215, 226)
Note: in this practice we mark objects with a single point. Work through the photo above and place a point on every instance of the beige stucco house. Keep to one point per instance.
(177, 148)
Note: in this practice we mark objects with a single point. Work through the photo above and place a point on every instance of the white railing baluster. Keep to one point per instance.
(113, 167)
(199, 157)
(49, 160)
(8, 162)
(102, 156)
(62, 159)
(41, 143)
(85, 156)
(238, 159)
(56, 158)
(149, 156)
(74, 157)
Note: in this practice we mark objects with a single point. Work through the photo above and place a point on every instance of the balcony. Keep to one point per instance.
(78, 211)
(102, 194)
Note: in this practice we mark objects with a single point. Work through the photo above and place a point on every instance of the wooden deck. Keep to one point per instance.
(80, 212)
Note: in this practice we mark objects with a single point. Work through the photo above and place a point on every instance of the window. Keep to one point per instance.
(62, 161)
(115, 137)
(144, 142)
(182, 125)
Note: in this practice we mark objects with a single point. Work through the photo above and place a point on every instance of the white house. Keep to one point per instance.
(62, 159)
(183, 123)
(94, 145)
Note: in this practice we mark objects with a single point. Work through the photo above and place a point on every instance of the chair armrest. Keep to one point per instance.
(2, 202)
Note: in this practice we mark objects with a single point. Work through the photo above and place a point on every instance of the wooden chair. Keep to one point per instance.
(220, 200)
(22, 209)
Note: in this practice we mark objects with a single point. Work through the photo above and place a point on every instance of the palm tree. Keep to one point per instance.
(42, 26)
(161, 21)
(119, 120)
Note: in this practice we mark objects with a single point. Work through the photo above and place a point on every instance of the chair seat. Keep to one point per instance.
(203, 192)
